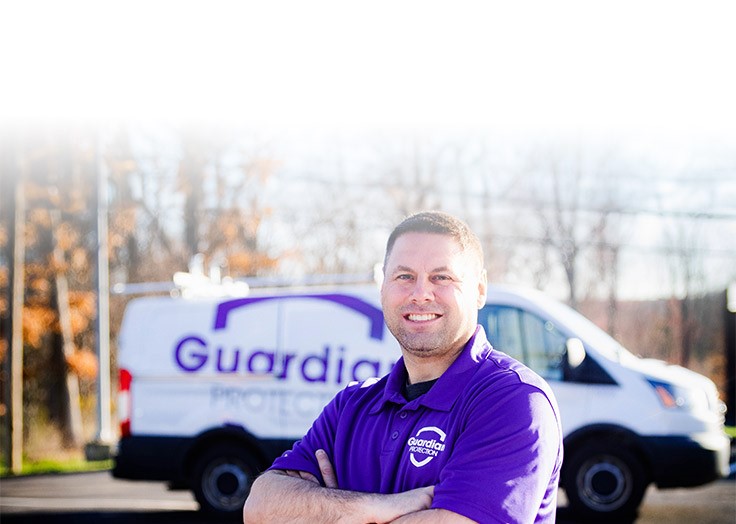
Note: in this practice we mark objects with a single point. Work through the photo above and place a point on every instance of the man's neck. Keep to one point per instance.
(423, 369)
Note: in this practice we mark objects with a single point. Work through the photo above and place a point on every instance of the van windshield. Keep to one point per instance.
(579, 326)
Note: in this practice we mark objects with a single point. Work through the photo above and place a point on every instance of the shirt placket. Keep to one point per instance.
(397, 434)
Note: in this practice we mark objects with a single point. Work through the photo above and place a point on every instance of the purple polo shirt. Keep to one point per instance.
(487, 436)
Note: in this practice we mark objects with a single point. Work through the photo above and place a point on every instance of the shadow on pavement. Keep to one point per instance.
(565, 516)
(170, 517)
(117, 517)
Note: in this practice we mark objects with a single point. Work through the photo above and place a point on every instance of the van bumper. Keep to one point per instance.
(150, 458)
(686, 461)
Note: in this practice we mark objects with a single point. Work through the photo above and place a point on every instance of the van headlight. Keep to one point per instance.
(675, 397)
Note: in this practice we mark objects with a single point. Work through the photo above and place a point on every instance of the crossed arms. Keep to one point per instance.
(297, 496)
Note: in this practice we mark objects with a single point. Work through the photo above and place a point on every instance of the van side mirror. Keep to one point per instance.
(575, 353)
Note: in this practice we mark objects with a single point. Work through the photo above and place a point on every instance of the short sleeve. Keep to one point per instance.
(321, 435)
(505, 463)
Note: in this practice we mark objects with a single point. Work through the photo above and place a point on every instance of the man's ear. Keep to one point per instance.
(482, 288)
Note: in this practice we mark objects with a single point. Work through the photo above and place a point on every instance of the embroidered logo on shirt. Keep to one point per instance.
(424, 448)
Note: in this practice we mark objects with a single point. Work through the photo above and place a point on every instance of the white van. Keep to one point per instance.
(213, 389)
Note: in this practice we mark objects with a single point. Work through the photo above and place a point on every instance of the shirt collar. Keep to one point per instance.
(447, 389)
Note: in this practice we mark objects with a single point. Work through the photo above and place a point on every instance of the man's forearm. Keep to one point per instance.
(278, 497)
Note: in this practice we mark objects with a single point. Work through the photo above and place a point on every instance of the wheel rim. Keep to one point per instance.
(605, 483)
(226, 486)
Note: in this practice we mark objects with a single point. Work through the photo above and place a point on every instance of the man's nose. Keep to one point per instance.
(422, 290)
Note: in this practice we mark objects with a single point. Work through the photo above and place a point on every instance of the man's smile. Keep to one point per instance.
(421, 317)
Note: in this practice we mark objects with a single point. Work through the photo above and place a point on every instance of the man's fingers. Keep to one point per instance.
(325, 467)
(308, 476)
(301, 475)
(425, 496)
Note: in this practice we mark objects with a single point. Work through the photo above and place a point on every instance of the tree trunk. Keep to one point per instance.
(70, 410)
(686, 334)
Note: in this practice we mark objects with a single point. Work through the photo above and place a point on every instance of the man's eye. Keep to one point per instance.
(441, 278)
(403, 277)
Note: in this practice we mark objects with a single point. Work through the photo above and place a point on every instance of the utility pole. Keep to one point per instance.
(16, 337)
(101, 447)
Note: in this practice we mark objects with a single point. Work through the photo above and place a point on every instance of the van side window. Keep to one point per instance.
(526, 337)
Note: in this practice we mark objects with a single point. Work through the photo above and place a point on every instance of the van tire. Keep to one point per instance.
(604, 482)
(221, 479)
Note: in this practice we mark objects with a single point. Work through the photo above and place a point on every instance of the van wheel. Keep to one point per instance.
(604, 483)
(222, 477)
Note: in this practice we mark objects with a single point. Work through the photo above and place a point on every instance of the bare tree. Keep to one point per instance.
(411, 174)
(573, 205)
(238, 206)
(142, 242)
(687, 276)
(196, 155)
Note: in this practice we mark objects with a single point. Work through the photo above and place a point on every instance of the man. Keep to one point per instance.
(457, 432)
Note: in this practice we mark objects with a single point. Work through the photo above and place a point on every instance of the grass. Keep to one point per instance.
(45, 452)
(38, 467)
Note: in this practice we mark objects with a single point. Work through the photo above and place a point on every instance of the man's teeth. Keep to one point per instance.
(422, 318)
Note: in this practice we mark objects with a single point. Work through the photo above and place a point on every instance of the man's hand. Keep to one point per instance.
(415, 503)
(389, 506)
(296, 496)
(325, 467)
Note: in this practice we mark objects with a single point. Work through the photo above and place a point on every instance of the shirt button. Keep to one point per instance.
(403, 414)
(395, 435)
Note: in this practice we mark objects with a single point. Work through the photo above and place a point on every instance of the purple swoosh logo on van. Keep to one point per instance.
(374, 314)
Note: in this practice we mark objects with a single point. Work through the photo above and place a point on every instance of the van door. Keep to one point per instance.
(307, 357)
(337, 338)
(540, 345)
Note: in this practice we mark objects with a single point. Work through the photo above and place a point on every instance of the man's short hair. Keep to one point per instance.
(440, 223)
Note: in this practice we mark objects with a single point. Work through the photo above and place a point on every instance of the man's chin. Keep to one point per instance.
(422, 351)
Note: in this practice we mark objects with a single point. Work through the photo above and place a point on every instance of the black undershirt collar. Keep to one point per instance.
(413, 391)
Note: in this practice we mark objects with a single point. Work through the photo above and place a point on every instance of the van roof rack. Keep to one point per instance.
(195, 283)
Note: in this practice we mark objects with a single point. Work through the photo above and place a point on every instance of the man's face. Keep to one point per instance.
(431, 293)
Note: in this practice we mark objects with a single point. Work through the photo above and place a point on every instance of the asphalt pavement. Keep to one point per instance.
(87, 498)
